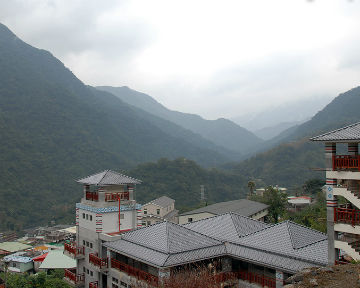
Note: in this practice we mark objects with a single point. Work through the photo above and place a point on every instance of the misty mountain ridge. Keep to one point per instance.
(288, 164)
(271, 132)
(221, 132)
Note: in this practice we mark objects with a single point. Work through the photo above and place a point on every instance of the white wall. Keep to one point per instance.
(195, 217)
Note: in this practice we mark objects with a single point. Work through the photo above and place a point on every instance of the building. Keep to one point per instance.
(158, 210)
(18, 263)
(12, 247)
(297, 203)
(243, 207)
(107, 209)
(342, 179)
(243, 249)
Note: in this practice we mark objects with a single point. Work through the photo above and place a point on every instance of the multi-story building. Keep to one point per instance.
(107, 209)
(158, 210)
(342, 179)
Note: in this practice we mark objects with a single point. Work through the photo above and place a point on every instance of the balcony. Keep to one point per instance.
(94, 284)
(224, 277)
(74, 252)
(92, 196)
(259, 279)
(347, 216)
(111, 197)
(73, 279)
(100, 263)
(346, 162)
(137, 273)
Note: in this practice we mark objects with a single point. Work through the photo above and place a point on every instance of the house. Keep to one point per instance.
(158, 210)
(298, 202)
(18, 263)
(56, 259)
(342, 179)
(243, 207)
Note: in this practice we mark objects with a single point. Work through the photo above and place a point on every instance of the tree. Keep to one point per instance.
(277, 203)
(251, 185)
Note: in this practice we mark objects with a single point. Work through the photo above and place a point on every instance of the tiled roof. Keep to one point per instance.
(286, 246)
(242, 206)
(163, 201)
(108, 177)
(227, 227)
(347, 133)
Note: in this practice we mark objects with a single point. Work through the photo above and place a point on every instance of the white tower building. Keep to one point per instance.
(107, 209)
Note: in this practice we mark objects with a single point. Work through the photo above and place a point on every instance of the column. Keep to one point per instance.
(331, 201)
(279, 279)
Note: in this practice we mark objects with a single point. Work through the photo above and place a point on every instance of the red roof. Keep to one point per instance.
(40, 258)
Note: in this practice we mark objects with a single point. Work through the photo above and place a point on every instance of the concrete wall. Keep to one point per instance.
(195, 217)
(260, 215)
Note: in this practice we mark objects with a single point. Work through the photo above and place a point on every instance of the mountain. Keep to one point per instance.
(180, 179)
(54, 129)
(295, 111)
(288, 163)
(271, 132)
(222, 132)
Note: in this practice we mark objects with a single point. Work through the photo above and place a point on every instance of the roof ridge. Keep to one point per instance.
(91, 175)
(106, 171)
(290, 234)
(333, 131)
(168, 236)
(303, 226)
(124, 175)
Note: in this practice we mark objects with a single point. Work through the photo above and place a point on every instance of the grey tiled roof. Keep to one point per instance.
(347, 133)
(108, 177)
(286, 246)
(242, 206)
(227, 227)
(163, 201)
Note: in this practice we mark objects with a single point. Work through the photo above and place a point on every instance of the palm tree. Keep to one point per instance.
(251, 186)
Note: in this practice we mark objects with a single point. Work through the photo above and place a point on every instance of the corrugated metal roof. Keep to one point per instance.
(108, 177)
(56, 259)
(243, 207)
(347, 133)
(17, 258)
(163, 201)
(13, 246)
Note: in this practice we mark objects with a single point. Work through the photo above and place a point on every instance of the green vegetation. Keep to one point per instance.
(276, 200)
(180, 179)
(39, 280)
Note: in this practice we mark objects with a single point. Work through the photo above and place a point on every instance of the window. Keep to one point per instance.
(91, 245)
(190, 219)
(87, 217)
(84, 242)
(115, 280)
(148, 222)
(87, 271)
(158, 211)
(84, 269)
(83, 215)
(87, 244)
(143, 223)
(145, 211)
(121, 216)
(90, 217)
(91, 273)
(123, 284)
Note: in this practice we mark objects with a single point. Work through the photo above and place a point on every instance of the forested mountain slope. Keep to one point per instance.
(222, 132)
(54, 129)
(288, 164)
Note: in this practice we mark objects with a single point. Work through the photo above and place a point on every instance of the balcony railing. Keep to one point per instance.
(348, 216)
(225, 276)
(71, 275)
(346, 162)
(94, 284)
(92, 196)
(72, 249)
(258, 279)
(97, 261)
(132, 271)
(109, 197)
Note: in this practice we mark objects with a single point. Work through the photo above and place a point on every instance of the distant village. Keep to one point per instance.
(117, 242)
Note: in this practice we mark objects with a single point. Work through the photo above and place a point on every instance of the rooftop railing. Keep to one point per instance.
(94, 284)
(348, 216)
(346, 162)
(109, 197)
(92, 196)
(97, 261)
(139, 274)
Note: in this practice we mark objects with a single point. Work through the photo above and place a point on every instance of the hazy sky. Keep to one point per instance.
(214, 58)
